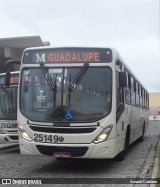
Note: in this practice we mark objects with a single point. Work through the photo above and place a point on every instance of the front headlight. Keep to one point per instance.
(103, 135)
(23, 133)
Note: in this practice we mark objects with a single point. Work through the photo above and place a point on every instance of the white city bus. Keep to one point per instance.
(8, 109)
(79, 103)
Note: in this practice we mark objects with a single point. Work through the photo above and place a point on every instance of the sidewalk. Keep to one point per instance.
(155, 169)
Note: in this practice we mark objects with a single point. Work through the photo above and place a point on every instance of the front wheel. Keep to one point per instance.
(141, 138)
(121, 156)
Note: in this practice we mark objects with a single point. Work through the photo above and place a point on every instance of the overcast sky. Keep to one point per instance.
(130, 26)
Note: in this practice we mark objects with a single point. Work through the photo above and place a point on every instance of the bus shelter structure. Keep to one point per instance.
(12, 49)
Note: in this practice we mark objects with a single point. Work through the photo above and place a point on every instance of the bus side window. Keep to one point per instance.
(140, 94)
(119, 91)
(142, 98)
(133, 94)
(128, 90)
(145, 99)
(137, 94)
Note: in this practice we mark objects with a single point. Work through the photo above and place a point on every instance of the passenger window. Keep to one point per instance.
(137, 94)
(128, 90)
(133, 94)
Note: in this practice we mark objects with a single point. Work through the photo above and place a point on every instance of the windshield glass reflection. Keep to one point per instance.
(8, 103)
(90, 99)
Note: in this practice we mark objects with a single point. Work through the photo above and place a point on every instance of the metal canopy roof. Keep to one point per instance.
(21, 42)
(12, 48)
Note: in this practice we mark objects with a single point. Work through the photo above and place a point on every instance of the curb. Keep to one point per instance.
(155, 169)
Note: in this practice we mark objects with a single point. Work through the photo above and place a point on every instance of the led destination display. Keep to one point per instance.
(73, 57)
(68, 55)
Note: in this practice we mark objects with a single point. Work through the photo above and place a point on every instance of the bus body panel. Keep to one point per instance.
(108, 149)
(10, 135)
(8, 126)
(132, 118)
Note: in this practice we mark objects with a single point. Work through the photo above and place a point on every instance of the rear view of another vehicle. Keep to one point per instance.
(8, 109)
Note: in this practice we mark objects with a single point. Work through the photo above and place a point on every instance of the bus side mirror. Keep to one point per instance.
(7, 83)
(122, 79)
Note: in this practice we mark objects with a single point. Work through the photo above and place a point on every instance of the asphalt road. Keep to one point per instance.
(139, 162)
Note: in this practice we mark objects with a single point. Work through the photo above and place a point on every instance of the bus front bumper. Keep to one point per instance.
(104, 150)
(9, 138)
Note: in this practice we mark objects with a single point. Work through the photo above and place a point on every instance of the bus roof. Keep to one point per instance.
(115, 52)
(71, 46)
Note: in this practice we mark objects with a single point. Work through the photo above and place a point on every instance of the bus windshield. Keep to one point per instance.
(88, 100)
(8, 103)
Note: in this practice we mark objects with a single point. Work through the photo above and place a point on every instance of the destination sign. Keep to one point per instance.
(14, 80)
(72, 57)
(68, 55)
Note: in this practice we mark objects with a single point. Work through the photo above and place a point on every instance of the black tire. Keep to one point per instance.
(141, 138)
(121, 156)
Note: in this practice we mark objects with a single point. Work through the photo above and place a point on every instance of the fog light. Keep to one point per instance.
(103, 135)
(23, 133)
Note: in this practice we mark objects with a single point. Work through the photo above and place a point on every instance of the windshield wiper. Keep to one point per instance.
(52, 85)
(47, 76)
(55, 90)
(77, 80)
(78, 77)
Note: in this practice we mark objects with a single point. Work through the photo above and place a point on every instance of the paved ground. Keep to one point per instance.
(138, 163)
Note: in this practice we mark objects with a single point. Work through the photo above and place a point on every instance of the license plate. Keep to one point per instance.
(48, 138)
(61, 155)
(8, 125)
